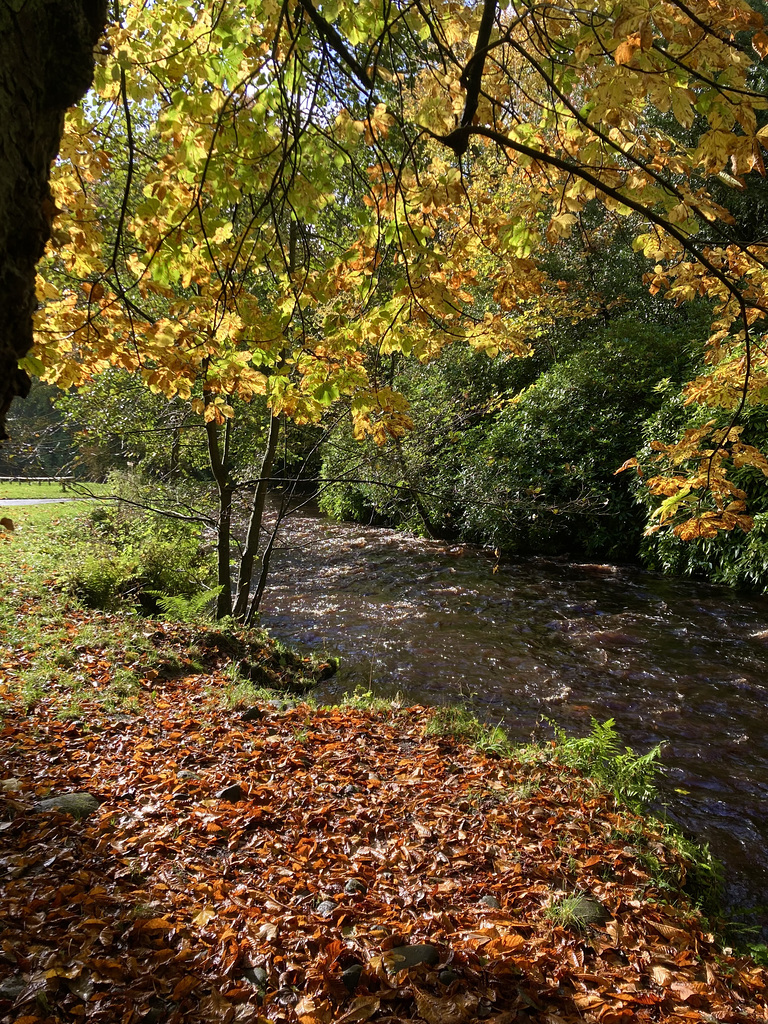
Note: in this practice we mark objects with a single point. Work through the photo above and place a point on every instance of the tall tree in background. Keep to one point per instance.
(46, 65)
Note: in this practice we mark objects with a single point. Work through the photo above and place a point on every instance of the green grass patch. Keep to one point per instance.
(459, 723)
(366, 700)
(573, 912)
(52, 489)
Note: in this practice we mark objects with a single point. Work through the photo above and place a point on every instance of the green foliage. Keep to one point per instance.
(551, 454)
(120, 554)
(183, 608)
(704, 875)
(600, 755)
(520, 454)
(493, 742)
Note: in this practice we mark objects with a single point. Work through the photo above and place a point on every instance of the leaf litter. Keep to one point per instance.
(322, 865)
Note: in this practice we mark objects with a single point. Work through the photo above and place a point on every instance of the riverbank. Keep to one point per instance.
(240, 858)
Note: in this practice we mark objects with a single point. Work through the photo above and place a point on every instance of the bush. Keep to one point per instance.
(123, 554)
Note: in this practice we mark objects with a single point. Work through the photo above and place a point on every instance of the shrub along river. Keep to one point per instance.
(669, 660)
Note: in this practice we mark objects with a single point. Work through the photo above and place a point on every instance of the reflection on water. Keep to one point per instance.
(669, 660)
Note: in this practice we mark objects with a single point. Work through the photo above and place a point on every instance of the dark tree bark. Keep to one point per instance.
(46, 65)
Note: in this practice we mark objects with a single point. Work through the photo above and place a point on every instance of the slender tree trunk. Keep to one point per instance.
(265, 560)
(219, 461)
(248, 559)
(433, 531)
(46, 65)
(250, 554)
(175, 449)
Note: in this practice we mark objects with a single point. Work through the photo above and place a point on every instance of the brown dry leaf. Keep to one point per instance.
(445, 1009)
(204, 916)
(675, 935)
(505, 944)
(661, 975)
(615, 929)
(310, 1010)
(626, 50)
(760, 43)
(693, 992)
(361, 1008)
(184, 987)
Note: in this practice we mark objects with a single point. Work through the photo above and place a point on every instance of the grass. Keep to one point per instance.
(573, 912)
(56, 643)
(48, 490)
(459, 723)
(366, 700)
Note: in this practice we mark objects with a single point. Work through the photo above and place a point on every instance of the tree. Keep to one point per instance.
(471, 131)
(46, 65)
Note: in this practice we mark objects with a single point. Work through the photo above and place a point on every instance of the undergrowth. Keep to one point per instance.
(600, 755)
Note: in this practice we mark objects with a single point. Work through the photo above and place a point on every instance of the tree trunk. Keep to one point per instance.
(46, 65)
(219, 461)
(433, 530)
(251, 551)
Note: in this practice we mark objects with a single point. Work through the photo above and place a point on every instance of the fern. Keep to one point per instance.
(600, 755)
(184, 609)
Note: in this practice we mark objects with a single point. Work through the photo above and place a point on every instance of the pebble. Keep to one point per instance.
(256, 975)
(351, 977)
(355, 886)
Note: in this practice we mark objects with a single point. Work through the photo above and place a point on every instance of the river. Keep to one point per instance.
(671, 661)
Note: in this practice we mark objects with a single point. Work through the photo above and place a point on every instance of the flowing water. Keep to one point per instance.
(669, 660)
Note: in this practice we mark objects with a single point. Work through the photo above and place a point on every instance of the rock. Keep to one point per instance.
(10, 785)
(401, 958)
(232, 793)
(351, 977)
(579, 911)
(256, 975)
(492, 902)
(591, 911)
(355, 886)
(11, 988)
(446, 977)
(326, 669)
(185, 773)
(79, 805)
(326, 908)
(253, 714)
